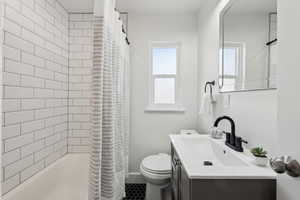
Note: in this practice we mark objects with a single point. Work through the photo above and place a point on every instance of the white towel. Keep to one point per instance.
(206, 105)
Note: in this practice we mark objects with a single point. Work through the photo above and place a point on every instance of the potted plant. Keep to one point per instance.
(260, 155)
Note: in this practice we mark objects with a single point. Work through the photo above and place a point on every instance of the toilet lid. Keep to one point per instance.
(160, 163)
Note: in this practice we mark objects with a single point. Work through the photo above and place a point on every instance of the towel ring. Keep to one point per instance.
(211, 84)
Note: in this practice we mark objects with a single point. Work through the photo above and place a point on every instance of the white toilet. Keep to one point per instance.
(156, 170)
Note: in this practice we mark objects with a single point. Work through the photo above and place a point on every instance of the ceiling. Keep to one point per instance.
(139, 6)
(159, 6)
(78, 5)
(151, 7)
(253, 6)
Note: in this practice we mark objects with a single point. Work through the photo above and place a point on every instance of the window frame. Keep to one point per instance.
(240, 68)
(152, 106)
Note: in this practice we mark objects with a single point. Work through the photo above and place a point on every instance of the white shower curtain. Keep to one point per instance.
(110, 101)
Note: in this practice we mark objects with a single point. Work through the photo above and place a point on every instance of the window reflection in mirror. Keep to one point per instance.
(249, 55)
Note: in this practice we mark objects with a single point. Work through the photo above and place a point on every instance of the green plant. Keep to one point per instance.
(259, 152)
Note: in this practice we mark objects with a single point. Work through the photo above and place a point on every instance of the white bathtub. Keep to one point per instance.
(66, 179)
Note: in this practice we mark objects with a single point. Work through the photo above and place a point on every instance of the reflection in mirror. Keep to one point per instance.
(249, 46)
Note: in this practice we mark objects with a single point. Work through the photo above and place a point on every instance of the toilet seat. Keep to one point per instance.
(157, 166)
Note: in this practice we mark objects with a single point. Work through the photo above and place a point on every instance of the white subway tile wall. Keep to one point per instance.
(35, 84)
(80, 66)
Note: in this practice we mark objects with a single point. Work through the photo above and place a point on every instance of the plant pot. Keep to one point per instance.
(261, 161)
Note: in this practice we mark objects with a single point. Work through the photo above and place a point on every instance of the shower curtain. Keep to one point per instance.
(110, 101)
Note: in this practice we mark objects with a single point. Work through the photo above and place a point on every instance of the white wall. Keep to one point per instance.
(149, 131)
(254, 112)
(288, 94)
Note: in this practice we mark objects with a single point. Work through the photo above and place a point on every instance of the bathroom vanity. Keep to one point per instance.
(205, 168)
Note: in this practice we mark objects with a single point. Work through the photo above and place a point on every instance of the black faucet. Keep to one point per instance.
(231, 140)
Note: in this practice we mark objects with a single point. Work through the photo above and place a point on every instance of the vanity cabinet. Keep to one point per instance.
(185, 188)
(180, 181)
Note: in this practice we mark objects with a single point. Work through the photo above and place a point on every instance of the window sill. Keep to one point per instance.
(154, 108)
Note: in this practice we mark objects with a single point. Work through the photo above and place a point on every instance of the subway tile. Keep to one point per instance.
(43, 93)
(28, 3)
(53, 66)
(53, 84)
(43, 133)
(53, 102)
(81, 102)
(11, 79)
(10, 52)
(34, 38)
(29, 81)
(18, 18)
(10, 157)
(32, 170)
(29, 104)
(29, 13)
(32, 60)
(17, 42)
(17, 92)
(31, 148)
(9, 105)
(52, 139)
(17, 117)
(43, 153)
(15, 4)
(44, 73)
(44, 13)
(10, 183)
(31, 126)
(18, 166)
(11, 131)
(16, 142)
(17, 67)
(52, 158)
(60, 77)
(43, 113)
(44, 53)
(12, 27)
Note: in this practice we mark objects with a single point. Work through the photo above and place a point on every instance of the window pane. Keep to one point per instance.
(164, 91)
(230, 59)
(164, 60)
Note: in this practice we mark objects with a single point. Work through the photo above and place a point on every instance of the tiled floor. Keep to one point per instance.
(135, 191)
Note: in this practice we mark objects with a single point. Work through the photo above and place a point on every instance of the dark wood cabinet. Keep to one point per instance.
(184, 188)
(176, 175)
(180, 181)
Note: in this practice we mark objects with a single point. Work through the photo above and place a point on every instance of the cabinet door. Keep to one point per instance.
(184, 185)
(176, 170)
(175, 181)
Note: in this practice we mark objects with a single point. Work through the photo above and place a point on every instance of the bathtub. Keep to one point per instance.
(66, 179)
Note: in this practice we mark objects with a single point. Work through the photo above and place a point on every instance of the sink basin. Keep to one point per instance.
(204, 157)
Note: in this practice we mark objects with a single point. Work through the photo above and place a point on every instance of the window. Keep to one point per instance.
(234, 64)
(164, 77)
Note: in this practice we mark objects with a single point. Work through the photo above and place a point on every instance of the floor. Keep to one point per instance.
(135, 191)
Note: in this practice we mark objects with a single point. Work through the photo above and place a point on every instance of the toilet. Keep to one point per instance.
(156, 170)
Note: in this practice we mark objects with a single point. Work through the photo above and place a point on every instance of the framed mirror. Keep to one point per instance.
(248, 53)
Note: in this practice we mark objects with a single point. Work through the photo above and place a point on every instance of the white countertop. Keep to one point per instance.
(193, 150)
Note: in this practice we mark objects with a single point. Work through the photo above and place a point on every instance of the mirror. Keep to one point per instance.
(248, 55)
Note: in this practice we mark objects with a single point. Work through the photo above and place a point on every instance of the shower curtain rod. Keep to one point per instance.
(120, 12)
(123, 30)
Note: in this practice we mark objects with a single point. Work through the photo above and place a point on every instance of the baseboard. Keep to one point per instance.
(135, 177)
